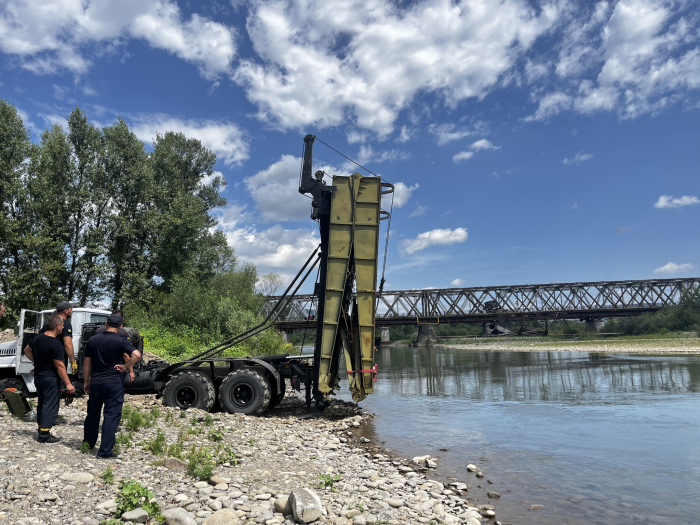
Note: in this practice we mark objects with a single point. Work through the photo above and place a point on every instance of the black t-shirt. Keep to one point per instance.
(44, 350)
(106, 350)
(67, 331)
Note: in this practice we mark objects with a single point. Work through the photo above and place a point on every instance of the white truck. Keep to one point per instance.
(15, 368)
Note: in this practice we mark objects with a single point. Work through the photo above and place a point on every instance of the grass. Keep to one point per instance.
(108, 475)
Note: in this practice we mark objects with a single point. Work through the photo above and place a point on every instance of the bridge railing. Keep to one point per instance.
(522, 302)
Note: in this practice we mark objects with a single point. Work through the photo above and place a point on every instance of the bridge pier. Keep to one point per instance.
(594, 325)
(286, 335)
(386, 339)
(426, 335)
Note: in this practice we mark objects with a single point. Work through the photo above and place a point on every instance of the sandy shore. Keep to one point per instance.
(690, 345)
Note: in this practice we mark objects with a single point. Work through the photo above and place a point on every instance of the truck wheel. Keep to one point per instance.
(13, 382)
(244, 392)
(189, 390)
(277, 397)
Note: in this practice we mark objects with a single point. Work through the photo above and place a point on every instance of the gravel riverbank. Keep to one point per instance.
(525, 344)
(351, 481)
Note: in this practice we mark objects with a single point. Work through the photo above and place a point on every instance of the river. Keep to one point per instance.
(592, 438)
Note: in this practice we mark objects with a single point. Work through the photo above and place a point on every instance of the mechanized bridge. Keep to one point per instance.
(528, 302)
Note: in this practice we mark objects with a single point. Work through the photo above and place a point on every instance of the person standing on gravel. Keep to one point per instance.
(103, 373)
(47, 355)
(64, 310)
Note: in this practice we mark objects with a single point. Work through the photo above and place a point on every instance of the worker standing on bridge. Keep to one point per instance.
(47, 355)
(103, 373)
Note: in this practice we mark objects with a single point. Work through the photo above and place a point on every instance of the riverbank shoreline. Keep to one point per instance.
(357, 482)
(675, 345)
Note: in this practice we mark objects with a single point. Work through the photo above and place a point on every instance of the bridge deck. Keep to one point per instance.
(586, 300)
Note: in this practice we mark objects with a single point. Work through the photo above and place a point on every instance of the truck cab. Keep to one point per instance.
(15, 368)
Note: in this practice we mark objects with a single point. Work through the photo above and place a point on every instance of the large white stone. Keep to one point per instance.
(79, 477)
(223, 517)
(306, 505)
(178, 516)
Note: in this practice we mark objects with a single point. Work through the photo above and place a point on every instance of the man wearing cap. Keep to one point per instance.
(121, 333)
(64, 310)
(103, 373)
(47, 355)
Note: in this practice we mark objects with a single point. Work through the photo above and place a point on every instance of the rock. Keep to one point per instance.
(418, 460)
(458, 486)
(494, 495)
(488, 514)
(263, 497)
(535, 507)
(175, 463)
(473, 521)
(136, 516)
(430, 463)
(283, 506)
(439, 510)
(201, 485)
(479, 474)
(364, 440)
(394, 502)
(178, 516)
(472, 468)
(79, 477)
(216, 480)
(359, 520)
(91, 521)
(223, 517)
(214, 504)
(306, 505)
(221, 486)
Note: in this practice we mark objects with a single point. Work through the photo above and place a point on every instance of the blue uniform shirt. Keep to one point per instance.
(106, 350)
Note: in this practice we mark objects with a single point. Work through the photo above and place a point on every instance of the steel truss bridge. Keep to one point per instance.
(528, 302)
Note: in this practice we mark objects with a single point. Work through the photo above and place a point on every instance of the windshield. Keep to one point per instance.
(98, 318)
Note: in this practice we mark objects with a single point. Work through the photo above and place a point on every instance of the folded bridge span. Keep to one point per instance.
(590, 300)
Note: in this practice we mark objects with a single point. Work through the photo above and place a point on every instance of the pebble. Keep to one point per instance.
(472, 468)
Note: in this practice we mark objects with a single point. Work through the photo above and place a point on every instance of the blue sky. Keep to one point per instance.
(530, 142)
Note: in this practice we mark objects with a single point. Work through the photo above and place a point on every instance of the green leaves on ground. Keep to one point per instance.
(133, 495)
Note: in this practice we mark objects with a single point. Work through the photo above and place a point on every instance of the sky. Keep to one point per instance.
(528, 141)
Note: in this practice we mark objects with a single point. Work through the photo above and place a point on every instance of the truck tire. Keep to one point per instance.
(189, 390)
(244, 391)
(277, 397)
(13, 382)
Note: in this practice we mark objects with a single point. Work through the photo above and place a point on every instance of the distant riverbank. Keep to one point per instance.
(681, 345)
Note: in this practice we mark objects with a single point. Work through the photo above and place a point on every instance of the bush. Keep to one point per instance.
(157, 446)
(133, 495)
(200, 463)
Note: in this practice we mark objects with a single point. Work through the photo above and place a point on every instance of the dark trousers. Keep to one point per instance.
(49, 390)
(111, 397)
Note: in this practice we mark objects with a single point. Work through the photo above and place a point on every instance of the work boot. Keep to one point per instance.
(110, 456)
(46, 437)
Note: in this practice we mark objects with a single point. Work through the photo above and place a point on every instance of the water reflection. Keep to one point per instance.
(532, 376)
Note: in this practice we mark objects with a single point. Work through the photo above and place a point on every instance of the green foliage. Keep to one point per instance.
(133, 495)
(327, 481)
(135, 421)
(200, 463)
(169, 418)
(684, 317)
(124, 439)
(215, 435)
(108, 475)
(157, 446)
(208, 420)
(85, 447)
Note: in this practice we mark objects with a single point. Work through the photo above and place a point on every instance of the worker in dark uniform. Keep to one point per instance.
(47, 355)
(64, 310)
(103, 373)
(121, 333)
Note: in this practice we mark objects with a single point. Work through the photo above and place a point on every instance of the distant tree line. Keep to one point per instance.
(89, 215)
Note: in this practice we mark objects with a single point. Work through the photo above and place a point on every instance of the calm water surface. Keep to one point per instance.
(594, 438)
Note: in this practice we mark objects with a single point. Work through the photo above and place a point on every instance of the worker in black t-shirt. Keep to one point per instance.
(47, 355)
(103, 373)
(64, 310)
(121, 333)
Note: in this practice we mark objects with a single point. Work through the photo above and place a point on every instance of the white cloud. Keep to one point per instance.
(276, 191)
(432, 237)
(579, 158)
(402, 193)
(49, 35)
(673, 268)
(669, 201)
(456, 282)
(482, 144)
(405, 135)
(369, 60)
(448, 132)
(632, 57)
(418, 211)
(226, 139)
(462, 155)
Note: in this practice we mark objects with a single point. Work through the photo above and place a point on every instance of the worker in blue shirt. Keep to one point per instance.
(103, 374)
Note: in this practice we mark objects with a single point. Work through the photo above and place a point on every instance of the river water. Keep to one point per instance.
(593, 438)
